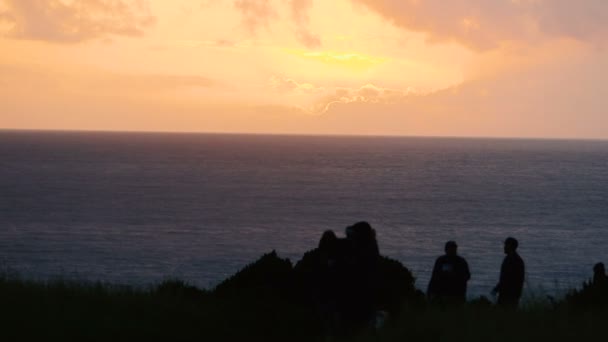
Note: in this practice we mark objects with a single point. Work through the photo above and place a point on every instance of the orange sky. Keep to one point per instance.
(518, 68)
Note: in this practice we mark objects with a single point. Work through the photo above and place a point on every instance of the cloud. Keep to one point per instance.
(255, 13)
(258, 14)
(92, 80)
(321, 98)
(554, 100)
(127, 102)
(368, 93)
(73, 21)
(299, 12)
(484, 24)
(160, 81)
(288, 85)
(308, 38)
(581, 20)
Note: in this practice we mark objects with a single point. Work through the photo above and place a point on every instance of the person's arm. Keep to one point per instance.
(496, 289)
(467, 272)
(498, 286)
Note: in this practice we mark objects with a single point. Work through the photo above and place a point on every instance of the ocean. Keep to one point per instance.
(137, 208)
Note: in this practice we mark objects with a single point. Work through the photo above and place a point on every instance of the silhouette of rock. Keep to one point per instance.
(268, 276)
(396, 287)
(322, 296)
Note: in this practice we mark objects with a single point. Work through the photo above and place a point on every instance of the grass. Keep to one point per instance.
(494, 324)
(253, 306)
(172, 311)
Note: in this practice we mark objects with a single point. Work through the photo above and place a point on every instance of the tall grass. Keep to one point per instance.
(253, 305)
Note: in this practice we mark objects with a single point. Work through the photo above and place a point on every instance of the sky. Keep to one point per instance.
(483, 68)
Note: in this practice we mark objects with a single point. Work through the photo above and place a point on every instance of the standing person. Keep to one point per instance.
(448, 283)
(599, 275)
(359, 302)
(511, 283)
(319, 276)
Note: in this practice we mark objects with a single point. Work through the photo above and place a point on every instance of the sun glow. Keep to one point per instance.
(354, 61)
(514, 68)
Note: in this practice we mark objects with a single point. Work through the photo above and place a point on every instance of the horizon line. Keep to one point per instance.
(334, 135)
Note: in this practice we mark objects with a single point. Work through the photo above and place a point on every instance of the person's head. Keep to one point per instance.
(328, 240)
(451, 248)
(360, 232)
(362, 237)
(599, 268)
(511, 245)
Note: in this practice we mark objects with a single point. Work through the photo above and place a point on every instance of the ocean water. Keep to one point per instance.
(137, 208)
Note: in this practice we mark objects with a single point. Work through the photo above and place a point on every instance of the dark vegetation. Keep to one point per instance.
(269, 301)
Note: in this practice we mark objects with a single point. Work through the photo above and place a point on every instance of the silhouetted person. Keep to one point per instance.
(363, 242)
(328, 260)
(358, 305)
(599, 275)
(448, 283)
(320, 275)
(512, 272)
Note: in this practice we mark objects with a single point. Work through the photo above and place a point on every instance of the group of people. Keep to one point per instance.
(448, 284)
(341, 276)
(344, 277)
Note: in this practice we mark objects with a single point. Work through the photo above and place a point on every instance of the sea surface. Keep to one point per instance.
(137, 208)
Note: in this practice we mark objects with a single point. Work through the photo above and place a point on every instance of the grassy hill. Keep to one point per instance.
(262, 303)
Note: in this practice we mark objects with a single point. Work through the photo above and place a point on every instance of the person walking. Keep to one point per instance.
(511, 283)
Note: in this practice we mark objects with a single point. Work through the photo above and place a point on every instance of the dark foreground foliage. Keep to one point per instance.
(266, 302)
